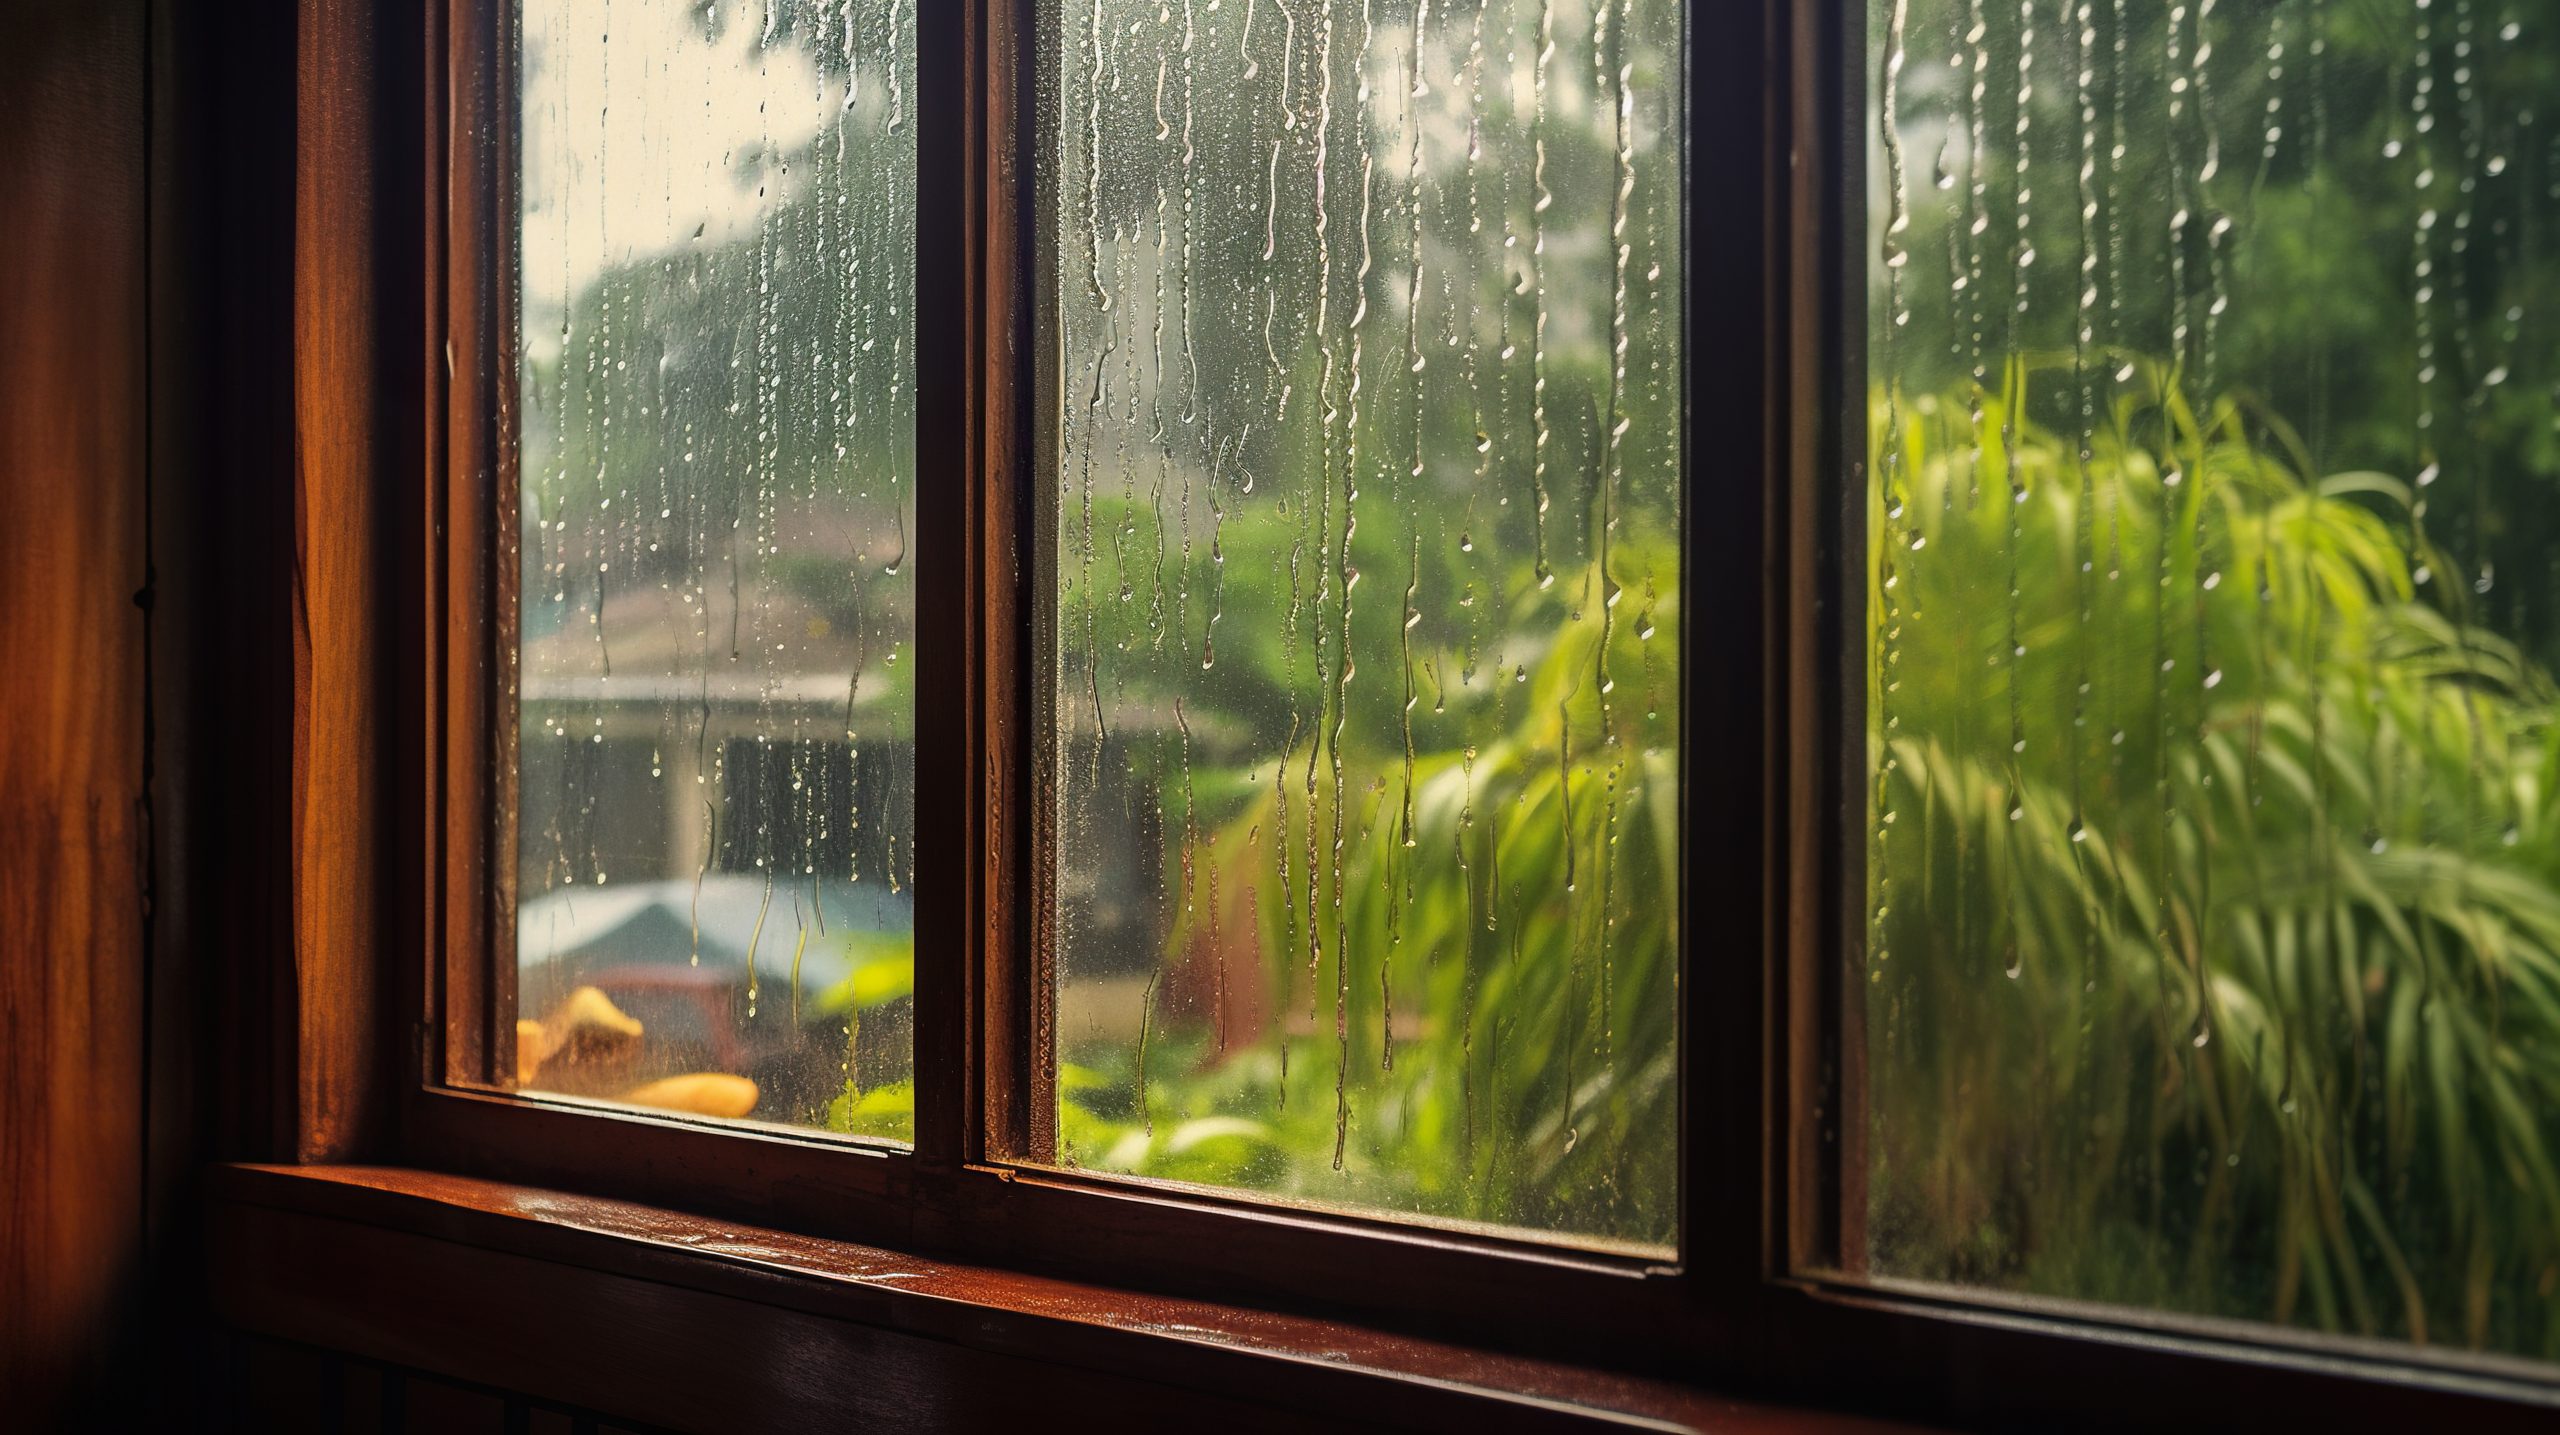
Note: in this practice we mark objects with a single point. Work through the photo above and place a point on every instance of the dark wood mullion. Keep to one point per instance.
(1824, 1210)
(471, 774)
(950, 753)
(1011, 1078)
(420, 987)
(1733, 355)
(1771, 1043)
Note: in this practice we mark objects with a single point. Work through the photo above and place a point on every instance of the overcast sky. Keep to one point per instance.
(634, 140)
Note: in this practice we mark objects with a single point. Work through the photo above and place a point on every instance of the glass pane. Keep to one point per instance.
(1365, 563)
(716, 781)
(2213, 595)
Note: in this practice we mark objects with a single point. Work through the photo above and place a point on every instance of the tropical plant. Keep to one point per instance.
(1504, 1060)
(2215, 955)
(881, 984)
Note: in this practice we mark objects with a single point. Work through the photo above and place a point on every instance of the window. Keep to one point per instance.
(2211, 957)
(1357, 903)
(716, 783)
(1091, 665)
(1363, 535)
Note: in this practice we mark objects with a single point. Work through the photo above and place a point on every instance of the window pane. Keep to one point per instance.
(2214, 602)
(716, 781)
(1365, 563)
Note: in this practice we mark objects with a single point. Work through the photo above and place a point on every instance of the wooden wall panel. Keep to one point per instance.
(72, 833)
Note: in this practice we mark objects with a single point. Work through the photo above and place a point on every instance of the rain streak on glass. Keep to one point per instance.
(715, 775)
(2212, 590)
(1363, 535)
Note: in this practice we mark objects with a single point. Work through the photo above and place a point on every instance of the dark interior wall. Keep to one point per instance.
(74, 829)
(277, 1387)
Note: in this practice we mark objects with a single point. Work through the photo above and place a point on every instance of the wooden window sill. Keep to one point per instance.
(684, 1322)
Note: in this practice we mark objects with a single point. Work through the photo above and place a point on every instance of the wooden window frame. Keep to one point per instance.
(969, 1183)
(389, 1012)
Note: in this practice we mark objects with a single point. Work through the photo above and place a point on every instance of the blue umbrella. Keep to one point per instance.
(564, 934)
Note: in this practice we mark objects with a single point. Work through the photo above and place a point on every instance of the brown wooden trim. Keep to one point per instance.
(335, 595)
(1011, 1084)
(453, 539)
(1989, 1365)
(470, 797)
(357, 707)
(950, 887)
(1016, 1109)
(1479, 1286)
(291, 1236)
(814, 1183)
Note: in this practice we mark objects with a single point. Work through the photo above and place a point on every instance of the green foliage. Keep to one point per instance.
(1528, 1079)
(2216, 948)
(884, 971)
(887, 1111)
(2328, 266)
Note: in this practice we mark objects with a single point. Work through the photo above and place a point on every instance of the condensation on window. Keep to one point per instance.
(2212, 594)
(716, 781)
(1363, 530)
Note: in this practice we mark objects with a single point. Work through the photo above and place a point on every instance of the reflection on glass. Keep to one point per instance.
(2213, 587)
(1364, 527)
(716, 785)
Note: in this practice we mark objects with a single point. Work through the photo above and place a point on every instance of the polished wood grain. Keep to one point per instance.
(660, 1315)
(336, 592)
(73, 827)
(359, 443)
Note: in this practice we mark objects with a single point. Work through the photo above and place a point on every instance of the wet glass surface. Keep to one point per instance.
(2213, 598)
(716, 782)
(1363, 530)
